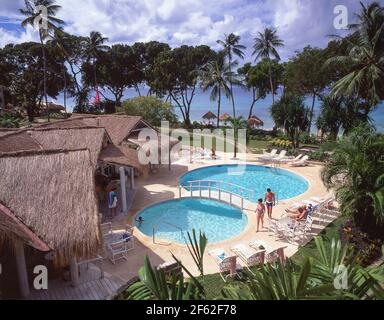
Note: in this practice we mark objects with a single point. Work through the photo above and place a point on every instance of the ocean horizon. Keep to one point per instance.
(201, 104)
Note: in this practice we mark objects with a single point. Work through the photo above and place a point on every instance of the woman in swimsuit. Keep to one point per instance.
(260, 211)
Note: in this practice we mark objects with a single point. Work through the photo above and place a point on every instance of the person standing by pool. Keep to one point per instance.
(112, 202)
(260, 211)
(270, 201)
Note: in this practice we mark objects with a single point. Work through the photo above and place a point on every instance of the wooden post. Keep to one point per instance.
(132, 178)
(21, 268)
(74, 273)
(123, 189)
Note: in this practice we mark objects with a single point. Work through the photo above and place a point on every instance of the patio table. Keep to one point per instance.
(115, 236)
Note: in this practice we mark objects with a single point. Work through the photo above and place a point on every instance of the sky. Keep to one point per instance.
(298, 22)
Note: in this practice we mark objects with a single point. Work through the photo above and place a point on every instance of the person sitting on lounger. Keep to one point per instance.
(299, 214)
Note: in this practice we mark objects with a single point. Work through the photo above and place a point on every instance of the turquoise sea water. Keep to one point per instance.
(283, 183)
(201, 104)
(172, 219)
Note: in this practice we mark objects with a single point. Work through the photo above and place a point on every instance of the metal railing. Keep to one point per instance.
(167, 223)
(220, 187)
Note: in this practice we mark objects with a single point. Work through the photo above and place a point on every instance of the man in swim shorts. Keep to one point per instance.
(269, 202)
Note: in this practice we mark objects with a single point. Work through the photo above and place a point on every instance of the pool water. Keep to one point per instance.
(283, 183)
(172, 219)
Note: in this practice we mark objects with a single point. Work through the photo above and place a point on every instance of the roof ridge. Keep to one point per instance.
(26, 153)
(70, 128)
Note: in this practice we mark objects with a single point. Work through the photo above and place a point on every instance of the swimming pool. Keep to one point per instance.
(283, 183)
(172, 219)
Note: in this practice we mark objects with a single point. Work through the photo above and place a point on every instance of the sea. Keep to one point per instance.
(202, 104)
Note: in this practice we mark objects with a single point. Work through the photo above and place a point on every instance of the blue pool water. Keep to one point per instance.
(283, 183)
(172, 220)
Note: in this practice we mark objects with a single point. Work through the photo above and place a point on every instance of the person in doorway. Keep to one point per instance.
(260, 212)
(112, 202)
(270, 201)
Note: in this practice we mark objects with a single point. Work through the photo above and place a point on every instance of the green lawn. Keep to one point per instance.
(214, 284)
(257, 146)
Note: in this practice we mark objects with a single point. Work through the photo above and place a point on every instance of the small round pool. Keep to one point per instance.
(171, 220)
(283, 183)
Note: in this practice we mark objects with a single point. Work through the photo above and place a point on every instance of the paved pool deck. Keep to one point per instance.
(163, 185)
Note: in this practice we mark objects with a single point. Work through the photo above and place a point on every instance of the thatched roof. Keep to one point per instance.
(52, 193)
(209, 116)
(224, 117)
(122, 155)
(72, 138)
(18, 140)
(255, 121)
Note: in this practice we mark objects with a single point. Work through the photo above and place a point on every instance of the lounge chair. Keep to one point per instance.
(268, 155)
(301, 163)
(288, 160)
(274, 255)
(106, 229)
(249, 256)
(227, 263)
(281, 156)
(118, 250)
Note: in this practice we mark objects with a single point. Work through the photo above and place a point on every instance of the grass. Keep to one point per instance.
(213, 283)
(257, 146)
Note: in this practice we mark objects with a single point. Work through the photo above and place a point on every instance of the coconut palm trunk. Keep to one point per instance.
(231, 87)
(218, 109)
(271, 81)
(44, 75)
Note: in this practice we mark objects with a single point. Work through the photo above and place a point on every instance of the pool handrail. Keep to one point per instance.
(164, 222)
(218, 188)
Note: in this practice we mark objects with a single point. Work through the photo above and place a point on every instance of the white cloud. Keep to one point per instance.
(193, 22)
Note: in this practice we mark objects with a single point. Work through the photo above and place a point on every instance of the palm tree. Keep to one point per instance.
(237, 124)
(352, 171)
(265, 47)
(231, 48)
(364, 57)
(94, 45)
(217, 75)
(32, 13)
(58, 41)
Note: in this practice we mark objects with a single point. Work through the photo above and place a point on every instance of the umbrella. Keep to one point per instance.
(224, 117)
(255, 121)
(209, 116)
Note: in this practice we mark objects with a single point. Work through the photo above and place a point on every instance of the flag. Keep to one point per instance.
(97, 98)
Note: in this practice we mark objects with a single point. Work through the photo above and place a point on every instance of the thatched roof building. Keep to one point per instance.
(92, 138)
(209, 116)
(19, 140)
(48, 200)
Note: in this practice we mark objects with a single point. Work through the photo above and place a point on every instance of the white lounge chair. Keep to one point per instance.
(275, 255)
(227, 263)
(281, 156)
(288, 160)
(106, 229)
(301, 163)
(268, 155)
(249, 256)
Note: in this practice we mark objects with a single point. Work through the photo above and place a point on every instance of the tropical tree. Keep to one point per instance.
(256, 78)
(94, 44)
(311, 278)
(265, 47)
(305, 74)
(291, 114)
(217, 75)
(237, 124)
(154, 284)
(231, 48)
(152, 109)
(353, 171)
(364, 56)
(47, 24)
